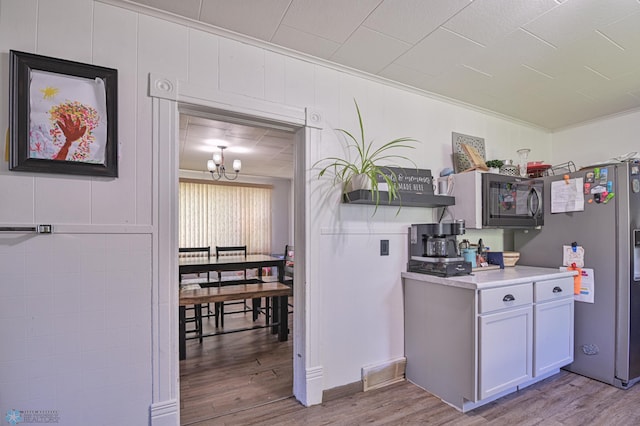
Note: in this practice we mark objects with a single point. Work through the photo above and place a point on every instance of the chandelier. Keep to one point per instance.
(216, 166)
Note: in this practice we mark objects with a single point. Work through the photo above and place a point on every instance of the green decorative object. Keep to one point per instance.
(494, 164)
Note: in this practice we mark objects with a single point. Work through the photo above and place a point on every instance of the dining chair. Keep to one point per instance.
(288, 268)
(288, 265)
(237, 250)
(287, 277)
(196, 279)
(231, 250)
(194, 251)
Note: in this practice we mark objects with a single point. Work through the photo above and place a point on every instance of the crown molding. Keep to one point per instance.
(242, 38)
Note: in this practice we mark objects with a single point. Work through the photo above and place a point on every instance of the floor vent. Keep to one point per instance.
(377, 376)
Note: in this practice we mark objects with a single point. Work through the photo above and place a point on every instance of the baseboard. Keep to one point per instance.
(165, 413)
(308, 390)
(341, 391)
(379, 375)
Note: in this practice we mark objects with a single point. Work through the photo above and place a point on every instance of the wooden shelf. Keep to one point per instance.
(363, 196)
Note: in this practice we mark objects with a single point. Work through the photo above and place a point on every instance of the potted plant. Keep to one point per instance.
(494, 165)
(364, 171)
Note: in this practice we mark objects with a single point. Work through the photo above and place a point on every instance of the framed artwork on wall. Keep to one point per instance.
(62, 116)
(461, 159)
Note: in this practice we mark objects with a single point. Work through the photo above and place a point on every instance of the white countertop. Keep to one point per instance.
(494, 278)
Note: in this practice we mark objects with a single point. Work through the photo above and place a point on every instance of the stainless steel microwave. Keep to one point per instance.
(511, 201)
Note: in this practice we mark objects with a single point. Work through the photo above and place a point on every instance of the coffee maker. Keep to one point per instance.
(433, 249)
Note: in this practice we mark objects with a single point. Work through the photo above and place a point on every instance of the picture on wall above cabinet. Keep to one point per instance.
(461, 159)
(62, 116)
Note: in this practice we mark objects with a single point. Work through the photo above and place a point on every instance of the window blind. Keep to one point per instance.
(225, 215)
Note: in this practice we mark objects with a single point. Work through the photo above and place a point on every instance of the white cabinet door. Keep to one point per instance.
(553, 335)
(505, 350)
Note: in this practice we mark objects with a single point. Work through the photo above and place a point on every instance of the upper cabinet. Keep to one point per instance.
(466, 188)
(488, 200)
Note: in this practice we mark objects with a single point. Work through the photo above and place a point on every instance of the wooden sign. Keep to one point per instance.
(411, 181)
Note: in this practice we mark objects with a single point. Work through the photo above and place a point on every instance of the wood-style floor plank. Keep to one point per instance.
(234, 371)
(246, 379)
(564, 399)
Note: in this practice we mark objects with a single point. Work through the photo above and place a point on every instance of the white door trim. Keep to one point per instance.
(167, 96)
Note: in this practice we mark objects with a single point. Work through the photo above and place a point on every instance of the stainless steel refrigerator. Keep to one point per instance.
(607, 332)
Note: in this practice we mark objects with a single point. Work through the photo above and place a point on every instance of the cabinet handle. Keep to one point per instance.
(557, 289)
(508, 298)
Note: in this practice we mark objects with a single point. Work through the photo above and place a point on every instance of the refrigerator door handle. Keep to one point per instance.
(635, 258)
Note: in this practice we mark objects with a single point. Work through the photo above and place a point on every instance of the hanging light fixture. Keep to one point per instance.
(216, 166)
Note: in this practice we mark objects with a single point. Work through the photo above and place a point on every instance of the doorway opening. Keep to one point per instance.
(233, 372)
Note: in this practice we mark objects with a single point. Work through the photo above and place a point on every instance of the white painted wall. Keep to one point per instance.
(358, 286)
(108, 224)
(597, 141)
(75, 306)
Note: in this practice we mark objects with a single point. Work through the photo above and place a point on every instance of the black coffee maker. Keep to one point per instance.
(433, 249)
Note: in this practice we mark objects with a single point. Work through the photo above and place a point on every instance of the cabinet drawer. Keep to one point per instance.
(553, 289)
(505, 297)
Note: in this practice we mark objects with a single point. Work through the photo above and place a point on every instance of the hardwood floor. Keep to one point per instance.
(235, 371)
(224, 382)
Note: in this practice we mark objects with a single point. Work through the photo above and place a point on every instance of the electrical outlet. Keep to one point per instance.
(384, 247)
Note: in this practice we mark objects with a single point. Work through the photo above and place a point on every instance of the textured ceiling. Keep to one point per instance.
(263, 151)
(551, 63)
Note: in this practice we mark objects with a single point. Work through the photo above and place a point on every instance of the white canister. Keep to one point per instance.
(443, 186)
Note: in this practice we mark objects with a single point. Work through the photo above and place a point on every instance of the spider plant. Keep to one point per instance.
(366, 164)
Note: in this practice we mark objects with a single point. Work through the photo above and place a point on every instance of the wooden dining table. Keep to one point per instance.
(235, 290)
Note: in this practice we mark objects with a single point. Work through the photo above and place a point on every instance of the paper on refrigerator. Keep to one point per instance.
(587, 285)
(567, 196)
(571, 255)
